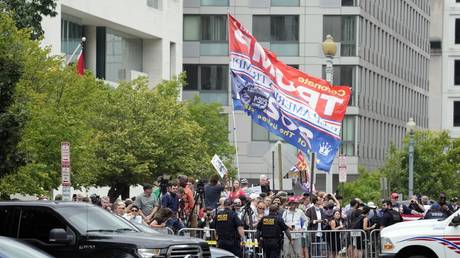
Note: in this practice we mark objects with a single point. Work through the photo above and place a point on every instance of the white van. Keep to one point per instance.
(422, 239)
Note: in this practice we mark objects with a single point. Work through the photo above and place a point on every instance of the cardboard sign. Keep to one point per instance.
(219, 166)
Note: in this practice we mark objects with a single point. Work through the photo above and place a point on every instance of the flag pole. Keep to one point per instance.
(83, 39)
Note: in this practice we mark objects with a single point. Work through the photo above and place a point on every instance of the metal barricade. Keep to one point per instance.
(207, 234)
(374, 244)
(251, 248)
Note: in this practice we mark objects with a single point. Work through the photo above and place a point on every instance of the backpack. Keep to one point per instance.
(357, 222)
(396, 216)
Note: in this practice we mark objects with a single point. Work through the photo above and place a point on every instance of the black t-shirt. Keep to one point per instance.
(390, 217)
(212, 195)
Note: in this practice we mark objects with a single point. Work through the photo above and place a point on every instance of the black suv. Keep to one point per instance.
(70, 229)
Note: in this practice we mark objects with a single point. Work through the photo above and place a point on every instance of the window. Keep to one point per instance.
(348, 2)
(348, 136)
(36, 223)
(285, 2)
(343, 29)
(457, 72)
(205, 28)
(210, 80)
(260, 133)
(214, 2)
(71, 34)
(154, 4)
(457, 31)
(344, 75)
(283, 33)
(456, 113)
(9, 221)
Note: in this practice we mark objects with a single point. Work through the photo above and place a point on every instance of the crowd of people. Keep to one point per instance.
(230, 208)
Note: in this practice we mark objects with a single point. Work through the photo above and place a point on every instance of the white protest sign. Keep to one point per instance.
(65, 171)
(253, 190)
(219, 166)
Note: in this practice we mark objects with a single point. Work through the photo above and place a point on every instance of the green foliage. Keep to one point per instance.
(366, 187)
(29, 13)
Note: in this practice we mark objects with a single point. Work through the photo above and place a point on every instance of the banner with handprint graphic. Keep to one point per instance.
(305, 111)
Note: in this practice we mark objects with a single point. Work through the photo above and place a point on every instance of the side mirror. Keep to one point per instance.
(59, 235)
(455, 221)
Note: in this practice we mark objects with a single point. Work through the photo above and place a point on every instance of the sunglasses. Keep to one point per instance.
(134, 210)
(260, 208)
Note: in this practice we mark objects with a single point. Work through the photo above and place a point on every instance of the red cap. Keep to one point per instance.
(292, 199)
(394, 195)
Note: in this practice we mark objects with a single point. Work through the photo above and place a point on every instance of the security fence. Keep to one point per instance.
(306, 243)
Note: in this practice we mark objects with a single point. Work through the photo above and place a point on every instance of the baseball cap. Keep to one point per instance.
(371, 205)
(292, 200)
(243, 181)
(394, 195)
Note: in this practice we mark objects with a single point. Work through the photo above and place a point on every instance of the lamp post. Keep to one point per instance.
(329, 50)
(410, 128)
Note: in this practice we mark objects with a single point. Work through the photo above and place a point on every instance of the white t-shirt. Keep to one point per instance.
(318, 217)
(136, 219)
(295, 218)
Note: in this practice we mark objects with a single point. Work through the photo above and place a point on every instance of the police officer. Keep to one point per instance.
(229, 229)
(270, 233)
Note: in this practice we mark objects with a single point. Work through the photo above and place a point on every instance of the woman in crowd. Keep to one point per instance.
(261, 212)
(334, 238)
(236, 191)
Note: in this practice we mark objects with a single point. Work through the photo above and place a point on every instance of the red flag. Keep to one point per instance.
(301, 164)
(81, 63)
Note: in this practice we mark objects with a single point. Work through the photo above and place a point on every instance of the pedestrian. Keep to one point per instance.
(237, 207)
(335, 238)
(189, 201)
(171, 199)
(244, 184)
(147, 202)
(105, 203)
(454, 203)
(416, 206)
(119, 208)
(229, 229)
(317, 222)
(400, 207)
(160, 218)
(236, 191)
(295, 219)
(270, 233)
(212, 192)
(133, 215)
(261, 211)
(264, 184)
(390, 216)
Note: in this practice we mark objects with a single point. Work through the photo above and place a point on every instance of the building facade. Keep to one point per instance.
(445, 67)
(120, 44)
(383, 55)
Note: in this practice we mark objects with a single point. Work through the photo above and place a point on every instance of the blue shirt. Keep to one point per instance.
(170, 201)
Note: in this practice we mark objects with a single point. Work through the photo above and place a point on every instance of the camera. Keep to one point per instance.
(200, 186)
(164, 183)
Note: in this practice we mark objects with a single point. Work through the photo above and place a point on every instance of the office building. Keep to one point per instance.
(124, 39)
(383, 55)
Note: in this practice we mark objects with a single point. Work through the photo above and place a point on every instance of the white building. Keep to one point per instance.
(124, 38)
(445, 66)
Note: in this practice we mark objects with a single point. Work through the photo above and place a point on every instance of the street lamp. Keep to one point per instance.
(329, 50)
(410, 128)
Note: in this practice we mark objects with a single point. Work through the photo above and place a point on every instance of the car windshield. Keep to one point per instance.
(95, 219)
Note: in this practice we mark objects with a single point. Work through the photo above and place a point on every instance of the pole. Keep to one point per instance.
(312, 170)
(235, 142)
(411, 163)
(280, 166)
(75, 51)
(329, 79)
(273, 169)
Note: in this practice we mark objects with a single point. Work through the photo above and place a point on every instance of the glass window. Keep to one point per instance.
(191, 27)
(348, 2)
(456, 113)
(284, 28)
(214, 2)
(285, 2)
(343, 29)
(348, 136)
(9, 221)
(71, 34)
(457, 31)
(191, 71)
(457, 72)
(214, 27)
(36, 223)
(153, 3)
(123, 55)
(259, 133)
(260, 29)
(214, 77)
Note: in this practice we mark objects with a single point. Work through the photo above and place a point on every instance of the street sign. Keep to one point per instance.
(65, 171)
(219, 166)
(342, 169)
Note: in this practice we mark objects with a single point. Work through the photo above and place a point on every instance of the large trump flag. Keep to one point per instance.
(305, 111)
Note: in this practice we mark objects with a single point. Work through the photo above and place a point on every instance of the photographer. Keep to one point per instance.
(415, 205)
(171, 199)
(212, 192)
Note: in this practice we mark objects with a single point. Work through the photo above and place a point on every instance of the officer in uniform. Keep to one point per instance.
(229, 229)
(270, 233)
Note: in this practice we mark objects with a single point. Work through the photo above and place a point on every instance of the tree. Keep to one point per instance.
(210, 117)
(366, 187)
(29, 13)
(142, 134)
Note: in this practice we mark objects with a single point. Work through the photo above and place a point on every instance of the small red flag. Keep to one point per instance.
(81, 63)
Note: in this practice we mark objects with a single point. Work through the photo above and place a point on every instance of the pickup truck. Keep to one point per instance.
(75, 229)
(422, 239)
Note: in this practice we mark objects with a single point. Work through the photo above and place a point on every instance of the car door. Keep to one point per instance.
(451, 239)
(35, 225)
